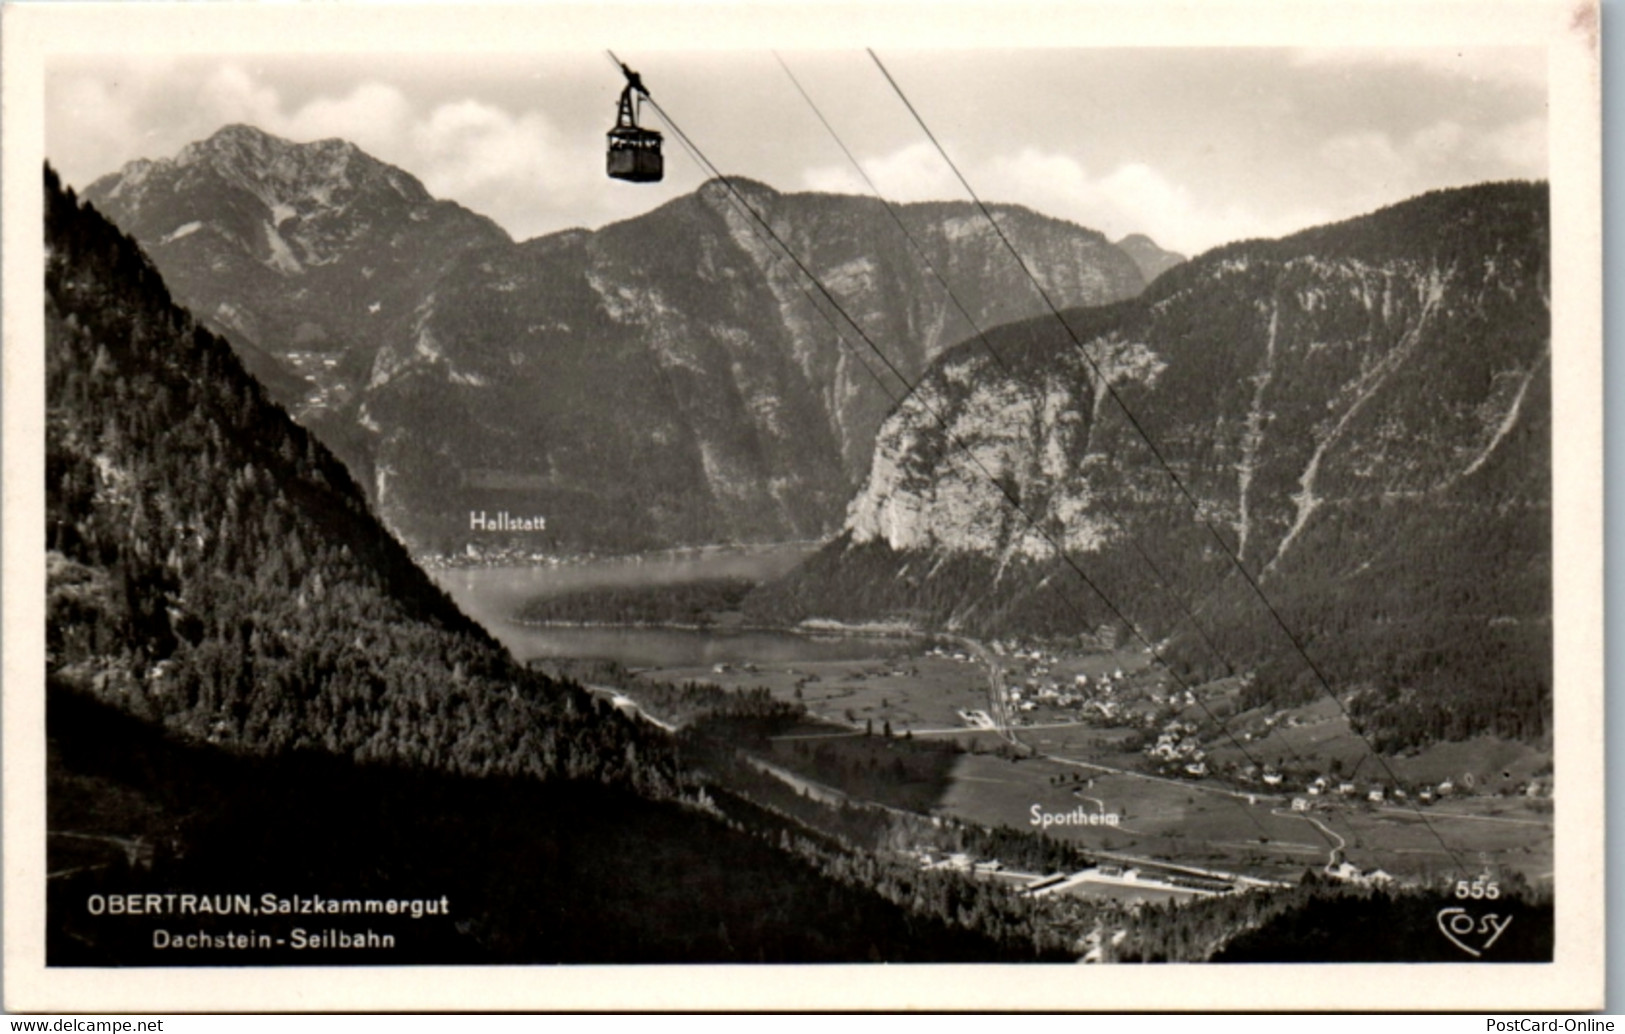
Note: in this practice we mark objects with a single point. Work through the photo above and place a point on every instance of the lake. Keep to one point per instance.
(491, 595)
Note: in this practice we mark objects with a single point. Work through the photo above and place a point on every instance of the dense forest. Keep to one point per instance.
(214, 568)
(684, 702)
(559, 872)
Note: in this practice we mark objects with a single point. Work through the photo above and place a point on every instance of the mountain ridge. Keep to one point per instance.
(713, 466)
(1152, 259)
(1343, 404)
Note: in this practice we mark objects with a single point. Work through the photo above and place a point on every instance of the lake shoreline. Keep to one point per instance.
(500, 561)
(813, 628)
(660, 635)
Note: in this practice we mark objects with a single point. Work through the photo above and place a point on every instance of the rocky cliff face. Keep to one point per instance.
(1280, 386)
(1362, 412)
(666, 380)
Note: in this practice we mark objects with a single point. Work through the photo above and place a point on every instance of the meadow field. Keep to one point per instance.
(1250, 830)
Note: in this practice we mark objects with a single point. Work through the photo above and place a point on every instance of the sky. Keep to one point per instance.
(1194, 147)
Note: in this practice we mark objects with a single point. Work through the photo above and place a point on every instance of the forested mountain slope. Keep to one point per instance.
(1361, 411)
(251, 687)
(214, 567)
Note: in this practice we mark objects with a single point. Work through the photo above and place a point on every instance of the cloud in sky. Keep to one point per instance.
(493, 160)
(1203, 147)
(1374, 165)
(1193, 147)
(1131, 198)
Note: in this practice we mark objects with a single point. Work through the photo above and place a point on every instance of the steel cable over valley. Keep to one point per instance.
(1111, 606)
(1196, 508)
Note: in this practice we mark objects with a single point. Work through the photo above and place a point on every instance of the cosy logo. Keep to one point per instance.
(1463, 930)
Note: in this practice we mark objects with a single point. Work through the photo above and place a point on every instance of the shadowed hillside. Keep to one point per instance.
(252, 689)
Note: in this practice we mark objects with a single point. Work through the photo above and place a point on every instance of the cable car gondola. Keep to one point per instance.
(634, 152)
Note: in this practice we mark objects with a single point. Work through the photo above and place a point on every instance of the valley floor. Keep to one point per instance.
(1049, 769)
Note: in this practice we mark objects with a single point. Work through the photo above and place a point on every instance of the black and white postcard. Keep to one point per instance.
(683, 506)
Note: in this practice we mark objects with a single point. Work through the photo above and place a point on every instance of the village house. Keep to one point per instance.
(1350, 872)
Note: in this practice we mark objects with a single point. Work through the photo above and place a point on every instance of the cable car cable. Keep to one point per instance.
(981, 335)
(1015, 504)
(741, 202)
(1167, 468)
(699, 155)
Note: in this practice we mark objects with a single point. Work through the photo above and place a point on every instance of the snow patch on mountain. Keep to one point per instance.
(282, 258)
(183, 230)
